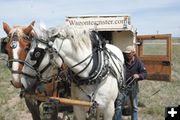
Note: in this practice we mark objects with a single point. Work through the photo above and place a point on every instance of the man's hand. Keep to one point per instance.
(136, 76)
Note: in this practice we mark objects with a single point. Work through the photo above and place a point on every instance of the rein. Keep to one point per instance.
(39, 73)
(51, 49)
(91, 55)
(14, 60)
(21, 62)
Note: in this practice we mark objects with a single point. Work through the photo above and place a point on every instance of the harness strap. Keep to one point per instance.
(59, 55)
(42, 41)
(10, 67)
(97, 76)
(16, 72)
(84, 67)
(29, 65)
(55, 86)
(91, 55)
(112, 54)
(113, 71)
(14, 60)
(45, 68)
(51, 49)
(31, 76)
(81, 61)
(38, 73)
(20, 72)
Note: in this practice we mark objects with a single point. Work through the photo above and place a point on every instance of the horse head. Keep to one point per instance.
(39, 64)
(17, 46)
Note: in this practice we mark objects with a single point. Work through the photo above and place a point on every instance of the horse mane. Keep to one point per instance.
(40, 33)
(80, 36)
(18, 30)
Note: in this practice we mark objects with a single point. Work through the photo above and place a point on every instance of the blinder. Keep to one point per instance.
(4, 42)
(38, 55)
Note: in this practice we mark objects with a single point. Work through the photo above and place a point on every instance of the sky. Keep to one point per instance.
(147, 16)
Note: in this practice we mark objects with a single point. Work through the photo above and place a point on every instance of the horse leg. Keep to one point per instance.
(109, 111)
(33, 107)
(106, 113)
(80, 113)
(105, 97)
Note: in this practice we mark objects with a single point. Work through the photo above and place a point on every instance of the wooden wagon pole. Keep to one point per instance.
(72, 101)
(65, 101)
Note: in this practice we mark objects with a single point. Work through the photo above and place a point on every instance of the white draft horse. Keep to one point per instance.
(96, 68)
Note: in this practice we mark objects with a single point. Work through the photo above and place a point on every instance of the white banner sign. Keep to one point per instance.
(100, 22)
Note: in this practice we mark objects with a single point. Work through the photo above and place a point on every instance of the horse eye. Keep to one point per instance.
(26, 37)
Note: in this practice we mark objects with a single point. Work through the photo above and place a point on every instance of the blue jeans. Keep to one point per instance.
(134, 103)
(133, 95)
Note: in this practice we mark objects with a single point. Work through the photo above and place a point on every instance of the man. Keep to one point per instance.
(135, 71)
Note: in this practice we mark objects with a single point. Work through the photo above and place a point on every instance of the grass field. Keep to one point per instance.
(154, 95)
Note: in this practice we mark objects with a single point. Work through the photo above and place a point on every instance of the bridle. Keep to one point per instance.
(38, 55)
(13, 45)
(52, 50)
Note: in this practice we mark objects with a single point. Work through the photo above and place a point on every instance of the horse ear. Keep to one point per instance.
(28, 29)
(6, 28)
(43, 26)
